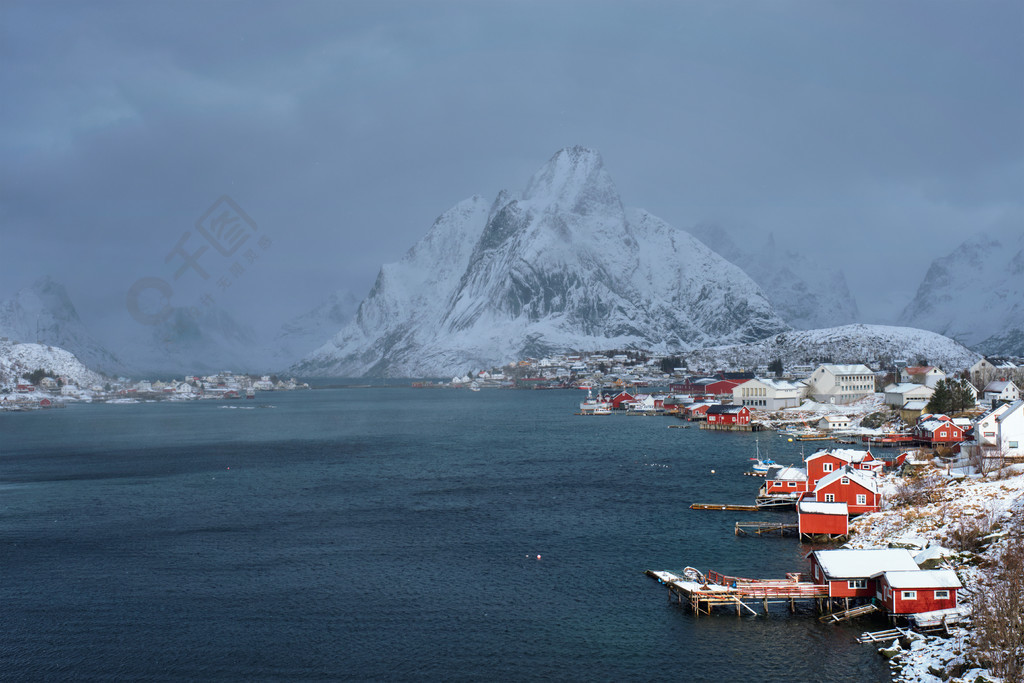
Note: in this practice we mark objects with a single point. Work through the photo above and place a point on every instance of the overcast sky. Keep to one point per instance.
(877, 134)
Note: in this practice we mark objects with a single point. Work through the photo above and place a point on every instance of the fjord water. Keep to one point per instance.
(385, 534)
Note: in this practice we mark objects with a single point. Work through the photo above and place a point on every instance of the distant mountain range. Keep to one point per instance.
(562, 265)
(975, 295)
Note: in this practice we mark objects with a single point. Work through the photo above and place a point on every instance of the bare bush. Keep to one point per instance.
(916, 489)
(999, 614)
(968, 534)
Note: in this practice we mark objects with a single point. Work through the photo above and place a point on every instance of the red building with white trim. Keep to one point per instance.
(822, 519)
(859, 490)
(728, 415)
(850, 573)
(914, 592)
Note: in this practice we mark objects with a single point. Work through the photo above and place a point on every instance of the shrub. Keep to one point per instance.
(999, 614)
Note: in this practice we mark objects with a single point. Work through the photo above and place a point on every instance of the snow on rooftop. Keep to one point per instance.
(922, 578)
(845, 563)
(815, 508)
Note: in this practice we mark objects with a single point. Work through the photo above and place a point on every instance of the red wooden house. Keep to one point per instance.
(938, 430)
(849, 572)
(826, 462)
(728, 415)
(915, 592)
(859, 490)
(723, 387)
(822, 519)
(785, 480)
(697, 411)
(621, 397)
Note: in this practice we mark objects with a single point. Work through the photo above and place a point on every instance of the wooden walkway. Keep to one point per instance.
(836, 617)
(726, 506)
(882, 636)
(718, 590)
(762, 528)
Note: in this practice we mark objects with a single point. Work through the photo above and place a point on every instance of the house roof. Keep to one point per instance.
(721, 409)
(850, 455)
(916, 404)
(921, 578)
(789, 474)
(997, 387)
(1010, 409)
(855, 476)
(815, 508)
(858, 369)
(907, 387)
(846, 563)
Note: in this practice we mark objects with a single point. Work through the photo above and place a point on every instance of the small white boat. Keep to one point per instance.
(595, 406)
(762, 466)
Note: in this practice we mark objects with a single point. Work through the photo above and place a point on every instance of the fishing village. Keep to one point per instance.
(907, 500)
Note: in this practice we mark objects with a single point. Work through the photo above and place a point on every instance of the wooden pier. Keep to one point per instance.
(762, 528)
(836, 617)
(703, 593)
(726, 506)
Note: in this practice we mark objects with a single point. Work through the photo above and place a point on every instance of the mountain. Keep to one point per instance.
(19, 359)
(561, 266)
(807, 294)
(975, 295)
(845, 344)
(192, 341)
(43, 313)
(304, 333)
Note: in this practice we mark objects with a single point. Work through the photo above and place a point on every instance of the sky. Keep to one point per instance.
(315, 141)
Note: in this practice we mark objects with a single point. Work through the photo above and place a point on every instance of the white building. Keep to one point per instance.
(768, 394)
(1000, 431)
(841, 384)
(897, 395)
(1000, 391)
(922, 374)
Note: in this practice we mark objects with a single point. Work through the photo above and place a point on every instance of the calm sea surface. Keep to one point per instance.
(386, 534)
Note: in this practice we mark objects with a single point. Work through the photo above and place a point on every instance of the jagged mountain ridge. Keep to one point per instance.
(561, 266)
(856, 343)
(786, 278)
(975, 295)
(43, 313)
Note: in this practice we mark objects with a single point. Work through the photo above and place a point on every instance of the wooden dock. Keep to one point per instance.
(703, 593)
(882, 636)
(762, 528)
(726, 506)
(836, 617)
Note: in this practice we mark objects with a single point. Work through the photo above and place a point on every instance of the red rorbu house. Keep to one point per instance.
(850, 573)
(916, 592)
(826, 462)
(859, 490)
(785, 480)
(723, 387)
(621, 397)
(938, 430)
(822, 519)
(697, 411)
(728, 415)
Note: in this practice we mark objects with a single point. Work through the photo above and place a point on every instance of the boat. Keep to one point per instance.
(595, 406)
(762, 466)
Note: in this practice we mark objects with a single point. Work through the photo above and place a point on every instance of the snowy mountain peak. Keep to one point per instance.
(562, 266)
(574, 180)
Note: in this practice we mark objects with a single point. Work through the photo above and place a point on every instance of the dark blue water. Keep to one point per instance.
(385, 534)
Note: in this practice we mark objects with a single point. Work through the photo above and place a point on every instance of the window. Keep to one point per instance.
(862, 499)
(1013, 444)
(845, 480)
(909, 595)
(854, 584)
(791, 484)
(942, 595)
(830, 498)
(827, 467)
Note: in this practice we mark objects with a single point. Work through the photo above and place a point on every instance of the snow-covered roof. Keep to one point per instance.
(846, 563)
(1010, 409)
(790, 474)
(722, 409)
(997, 387)
(906, 387)
(850, 455)
(921, 578)
(860, 477)
(815, 508)
(916, 404)
(859, 369)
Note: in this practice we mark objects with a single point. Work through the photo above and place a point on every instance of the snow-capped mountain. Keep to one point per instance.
(192, 340)
(845, 344)
(975, 295)
(43, 313)
(18, 360)
(305, 333)
(807, 294)
(562, 265)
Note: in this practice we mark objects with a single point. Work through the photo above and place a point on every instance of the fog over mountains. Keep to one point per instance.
(561, 266)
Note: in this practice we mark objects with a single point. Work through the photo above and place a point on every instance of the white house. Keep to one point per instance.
(927, 375)
(897, 395)
(768, 394)
(830, 422)
(1000, 431)
(840, 384)
(1000, 391)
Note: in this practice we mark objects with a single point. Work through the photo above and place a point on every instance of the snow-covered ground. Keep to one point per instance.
(956, 500)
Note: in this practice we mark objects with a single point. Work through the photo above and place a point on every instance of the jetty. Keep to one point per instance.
(762, 528)
(705, 592)
(727, 506)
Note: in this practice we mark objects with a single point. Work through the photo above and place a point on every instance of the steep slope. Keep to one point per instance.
(845, 344)
(806, 293)
(20, 359)
(43, 313)
(304, 333)
(975, 295)
(560, 266)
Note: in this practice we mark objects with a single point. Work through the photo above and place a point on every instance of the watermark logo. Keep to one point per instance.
(227, 228)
